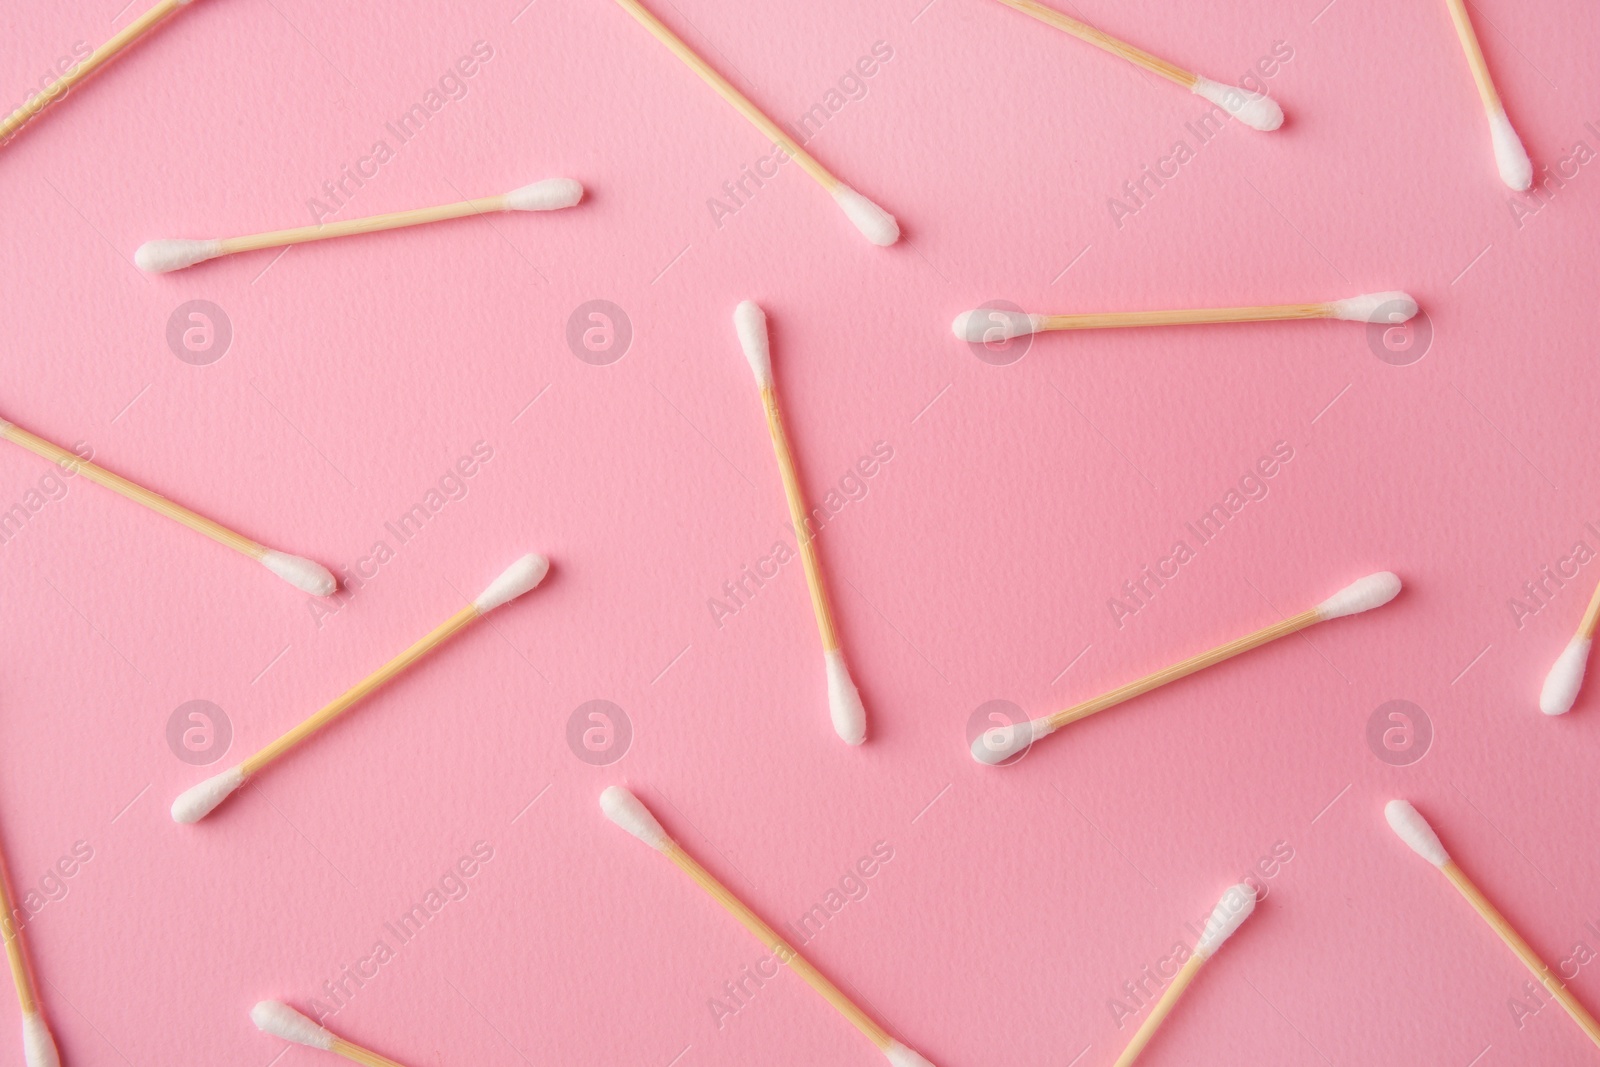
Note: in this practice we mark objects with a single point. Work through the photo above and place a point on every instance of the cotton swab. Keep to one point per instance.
(97, 59)
(299, 572)
(626, 810)
(997, 745)
(1561, 685)
(876, 224)
(1516, 169)
(1414, 830)
(1230, 913)
(159, 257)
(38, 1047)
(1253, 109)
(278, 1019)
(198, 801)
(844, 700)
(993, 325)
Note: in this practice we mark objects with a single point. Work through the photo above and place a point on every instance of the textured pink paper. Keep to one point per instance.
(978, 565)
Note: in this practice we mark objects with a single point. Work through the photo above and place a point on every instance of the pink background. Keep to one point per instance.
(977, 567)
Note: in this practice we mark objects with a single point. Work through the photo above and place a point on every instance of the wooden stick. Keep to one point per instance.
(1469, 44)
(351, 1051)
(1524, 951)
(799, 517)
(1084, 32)
(1187, 316)
(1511, 157)
(1237, 905)
(164, 255)
(780, 948)
(989, 324)
(362, 689)
(72, 463)
(1263, 636)
(1158, 1014)
(21, 973)
(1412, 828)
(626, 810)
(97, 59)
(741, 103)
(994, 747)
(198, 801)
(1591, 616)
(394, 220)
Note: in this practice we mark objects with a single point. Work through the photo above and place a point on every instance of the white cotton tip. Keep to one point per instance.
(999, 743)
(628, 812)
(750, 322)
(1375, 307)
(1516, 169)
(1407, 822)
(1373, 591)
(517, 579)
(1253, 109)
(994, 325)
(1561, 685)
(303, 574)
(899, 1055)
(196, 802)
(548, 195)
(1230, 913)
(158, 257)
(38, 1047)
(278, 1019)
(876, 224)
(844, 701)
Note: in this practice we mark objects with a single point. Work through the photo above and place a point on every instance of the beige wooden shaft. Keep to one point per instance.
(780, 948)
(1524, 951)
(356, 693)
(21, 976)
(137, 493)
(1186, 316)
(1083, 31)
(1469, 45)
(771, 130)
(797, 514)
(1158, 1014)
(1591, 616)
(371, 224)
(351, 1051)
(1187, 667)
(97, 59)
